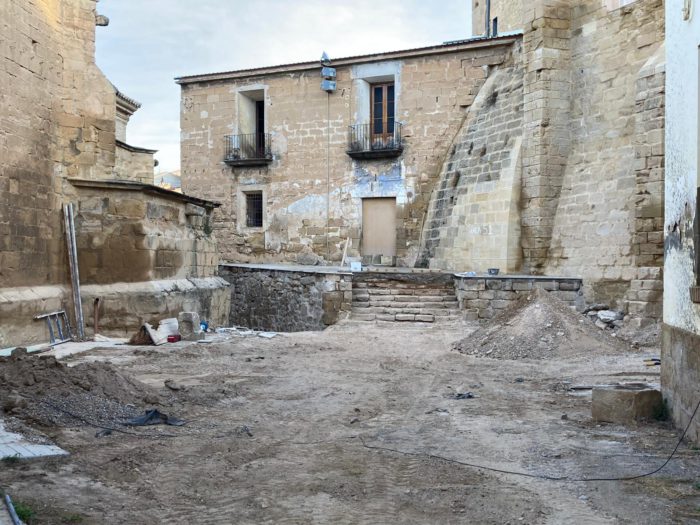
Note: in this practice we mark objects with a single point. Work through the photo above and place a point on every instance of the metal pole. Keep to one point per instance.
(75, 274)
(328, 177)
(487, 22)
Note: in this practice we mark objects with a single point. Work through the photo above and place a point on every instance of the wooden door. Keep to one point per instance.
(379, 226)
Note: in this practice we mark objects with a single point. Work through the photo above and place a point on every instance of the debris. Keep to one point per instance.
(439, 411)
(244, 430)
(96, 391)
(267, 335)
(596, 307)
(172, 385)
(609, 316)
(103, 432)
(174, 338)
(538, 326)
(154, 417)
(148, 336)
(190, 327)
(463, 395)
(564, 417)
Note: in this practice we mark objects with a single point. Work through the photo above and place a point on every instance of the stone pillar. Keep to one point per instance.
(546, 139)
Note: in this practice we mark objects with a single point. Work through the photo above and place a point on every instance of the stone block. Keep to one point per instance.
(405, 317)
(626, 403)
(189, 327)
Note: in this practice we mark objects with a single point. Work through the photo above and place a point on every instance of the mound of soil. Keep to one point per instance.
(45, 390)
(538, 326)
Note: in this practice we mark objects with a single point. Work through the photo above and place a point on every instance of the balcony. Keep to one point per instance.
(251, 149)
(363, 144)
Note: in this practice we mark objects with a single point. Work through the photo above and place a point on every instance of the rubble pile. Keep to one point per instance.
(538, 326)
(46, 391)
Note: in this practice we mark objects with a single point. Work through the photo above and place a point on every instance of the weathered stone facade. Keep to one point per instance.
(586, 197)
(57, 118)
(680, 354)
(539, 154)
(434, 87)
(287, 299)
(57, 128)
(474, 217)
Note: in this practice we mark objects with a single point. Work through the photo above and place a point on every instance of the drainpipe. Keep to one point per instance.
(487, 22)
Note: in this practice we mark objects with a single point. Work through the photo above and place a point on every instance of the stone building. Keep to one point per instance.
(145, 252)
(538, 150)
(680, 367)
(131, 162)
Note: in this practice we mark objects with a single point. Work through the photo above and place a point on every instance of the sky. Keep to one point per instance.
(148, 43)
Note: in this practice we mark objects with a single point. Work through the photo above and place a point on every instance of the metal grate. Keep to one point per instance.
(254, 209)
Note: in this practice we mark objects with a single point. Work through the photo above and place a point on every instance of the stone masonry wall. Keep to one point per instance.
(486, 297)
(508, 12)
(133, 165)
(473, 221)
(598, 204)
(287, 300)
(56, 120)
(131, 236)
(433, 93)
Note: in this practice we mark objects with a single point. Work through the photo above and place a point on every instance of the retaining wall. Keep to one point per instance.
(483, 297)
(287, 299)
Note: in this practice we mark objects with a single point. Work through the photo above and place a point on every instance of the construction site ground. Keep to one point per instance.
(360, 423)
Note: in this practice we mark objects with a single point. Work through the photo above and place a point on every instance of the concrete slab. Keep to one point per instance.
(626, 403)
(15, 445)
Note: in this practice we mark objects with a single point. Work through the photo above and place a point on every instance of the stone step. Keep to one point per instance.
(401, 305)
(404, 299)
(402, 318)
(409, 286)
(402, 291)
(420, 311)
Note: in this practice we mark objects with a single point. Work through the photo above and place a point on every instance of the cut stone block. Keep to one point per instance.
(189, 326)
(625, 403)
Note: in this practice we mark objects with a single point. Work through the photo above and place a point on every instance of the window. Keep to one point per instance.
(382, 118)
(254, 209)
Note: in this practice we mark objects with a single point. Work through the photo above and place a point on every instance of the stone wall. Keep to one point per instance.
(125, 234)
(57, 116)
(134, 164)
(433, 91)
(473, 222)
(508, 12)
(57, 126)
(591, 201)
(680, 358)
(599, 199)
(485, 297)
(287, 299)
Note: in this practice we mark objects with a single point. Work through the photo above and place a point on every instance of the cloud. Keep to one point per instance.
(147, 44)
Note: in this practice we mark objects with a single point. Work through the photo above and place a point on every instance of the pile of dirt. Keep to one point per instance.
(44, 390)
(538, 326)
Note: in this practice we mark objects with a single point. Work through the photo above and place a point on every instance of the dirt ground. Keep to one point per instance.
(295, 429)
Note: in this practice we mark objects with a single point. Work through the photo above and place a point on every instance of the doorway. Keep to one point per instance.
(379, 226)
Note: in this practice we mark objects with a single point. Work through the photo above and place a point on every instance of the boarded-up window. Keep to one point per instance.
(254, 209)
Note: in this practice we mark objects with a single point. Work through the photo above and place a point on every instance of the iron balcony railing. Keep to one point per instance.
(248, 149)
(364, 142)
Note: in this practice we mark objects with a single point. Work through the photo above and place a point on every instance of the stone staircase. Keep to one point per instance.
(404, 297)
